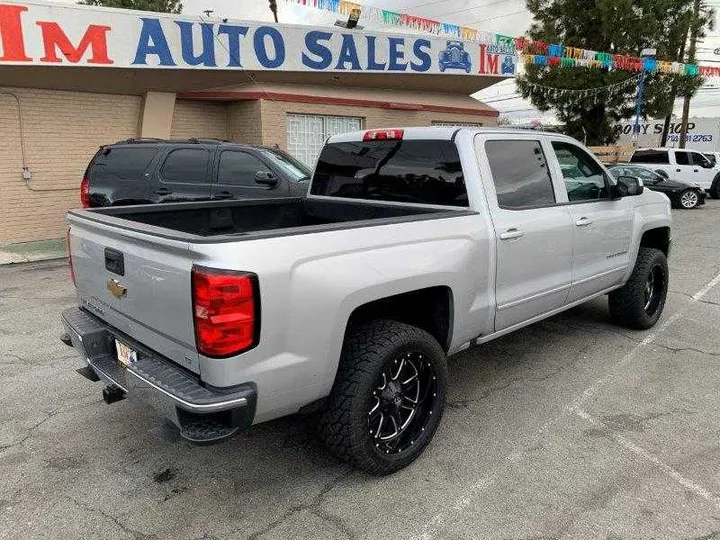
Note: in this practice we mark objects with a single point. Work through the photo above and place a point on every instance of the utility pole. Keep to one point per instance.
(646, 53)
(673, 90)
(694, 28)
(273, 8)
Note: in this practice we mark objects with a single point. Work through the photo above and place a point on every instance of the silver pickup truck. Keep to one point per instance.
(413, 244)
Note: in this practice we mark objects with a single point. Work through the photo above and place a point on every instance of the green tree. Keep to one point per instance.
(618, 27)
(162, 6)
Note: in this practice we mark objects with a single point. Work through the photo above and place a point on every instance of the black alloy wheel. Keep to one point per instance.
(654, 289)
(402, 403)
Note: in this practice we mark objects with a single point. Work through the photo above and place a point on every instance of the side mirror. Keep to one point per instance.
(266, 178)
(663, 173)
(629, 186)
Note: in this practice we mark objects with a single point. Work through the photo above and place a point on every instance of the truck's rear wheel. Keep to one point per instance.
(640, 302)
(388, 397)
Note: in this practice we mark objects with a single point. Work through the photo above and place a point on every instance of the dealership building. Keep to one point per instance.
(73, 78)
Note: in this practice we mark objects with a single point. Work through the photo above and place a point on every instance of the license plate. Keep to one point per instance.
(125, 355)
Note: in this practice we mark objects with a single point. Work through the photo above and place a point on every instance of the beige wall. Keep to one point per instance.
(245, 122)
(274, 114)
(62, 131)
(199, 119)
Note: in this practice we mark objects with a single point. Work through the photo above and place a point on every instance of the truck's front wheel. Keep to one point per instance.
(388, 397)
(640, 302)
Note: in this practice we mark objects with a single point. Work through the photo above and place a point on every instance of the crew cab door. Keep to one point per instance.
(533, 233)
(602, 227)
(184, 175)
(693, 167)
(241, 175)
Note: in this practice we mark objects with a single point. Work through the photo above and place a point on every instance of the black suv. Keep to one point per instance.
(139, 171)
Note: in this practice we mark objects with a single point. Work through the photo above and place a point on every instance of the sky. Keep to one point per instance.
(509, 17)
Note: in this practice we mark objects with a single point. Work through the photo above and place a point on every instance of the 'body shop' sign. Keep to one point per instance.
(48, 34)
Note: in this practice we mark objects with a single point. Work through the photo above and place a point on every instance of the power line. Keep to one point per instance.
(459, 10)
(499, 16)
(519, 110)
(504, 99)
(472, 8)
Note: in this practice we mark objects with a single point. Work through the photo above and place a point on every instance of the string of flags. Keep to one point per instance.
(371, 14)
(541, 53)
(630, 82)
(533, 52)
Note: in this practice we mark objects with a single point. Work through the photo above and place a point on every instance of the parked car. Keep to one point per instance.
(683, 165)
(681, 194)
(138, 171)
(454, 56)
(413, 244)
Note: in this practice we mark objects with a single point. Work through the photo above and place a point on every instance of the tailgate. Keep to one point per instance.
(138, 284)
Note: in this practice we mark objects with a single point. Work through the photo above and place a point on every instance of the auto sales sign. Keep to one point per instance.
(35, 33)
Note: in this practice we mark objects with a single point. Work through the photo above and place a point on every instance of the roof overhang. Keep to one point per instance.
(139, 81)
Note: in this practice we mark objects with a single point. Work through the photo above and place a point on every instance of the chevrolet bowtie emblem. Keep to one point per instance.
(117, 290)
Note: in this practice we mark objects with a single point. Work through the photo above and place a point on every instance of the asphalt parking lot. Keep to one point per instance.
(572, 428)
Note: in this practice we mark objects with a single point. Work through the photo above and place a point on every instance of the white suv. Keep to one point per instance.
(685, 165)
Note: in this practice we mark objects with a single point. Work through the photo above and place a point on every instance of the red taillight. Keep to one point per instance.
(69, 256)
(85, 192)
(225, 310)
(384, 135)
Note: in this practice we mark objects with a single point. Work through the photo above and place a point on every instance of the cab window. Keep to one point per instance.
(700, 160)
(520, 173)
(584, 178)
(682, 158)
(650, 156)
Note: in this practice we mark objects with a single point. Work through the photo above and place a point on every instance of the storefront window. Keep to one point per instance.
(306, 134)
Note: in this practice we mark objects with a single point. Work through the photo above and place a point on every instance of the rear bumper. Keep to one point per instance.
(203, 414)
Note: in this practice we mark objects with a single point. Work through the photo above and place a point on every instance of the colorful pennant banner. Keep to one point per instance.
(535, 52)
(541, 53)
(371, 14)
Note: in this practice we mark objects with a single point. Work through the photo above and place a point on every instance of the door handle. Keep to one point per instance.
(163, 191)
(511, 233)
(678, 170)
(223, 195)
(583, 222)
(695, 170)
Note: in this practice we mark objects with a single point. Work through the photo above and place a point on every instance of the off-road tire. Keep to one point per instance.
(628, 304)
(714, 190)
(367, 351)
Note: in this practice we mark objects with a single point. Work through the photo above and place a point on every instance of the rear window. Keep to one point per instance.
(409, 171)
(682, 158)
(520, 173)
(122, 163)
(186, 165)
(650, 156)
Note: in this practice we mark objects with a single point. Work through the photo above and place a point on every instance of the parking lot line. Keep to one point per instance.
(625, 443)
(427, 532)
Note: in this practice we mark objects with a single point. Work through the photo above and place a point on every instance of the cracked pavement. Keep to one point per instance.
(571, 428)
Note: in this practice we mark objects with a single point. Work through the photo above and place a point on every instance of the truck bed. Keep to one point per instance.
(213, 221)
